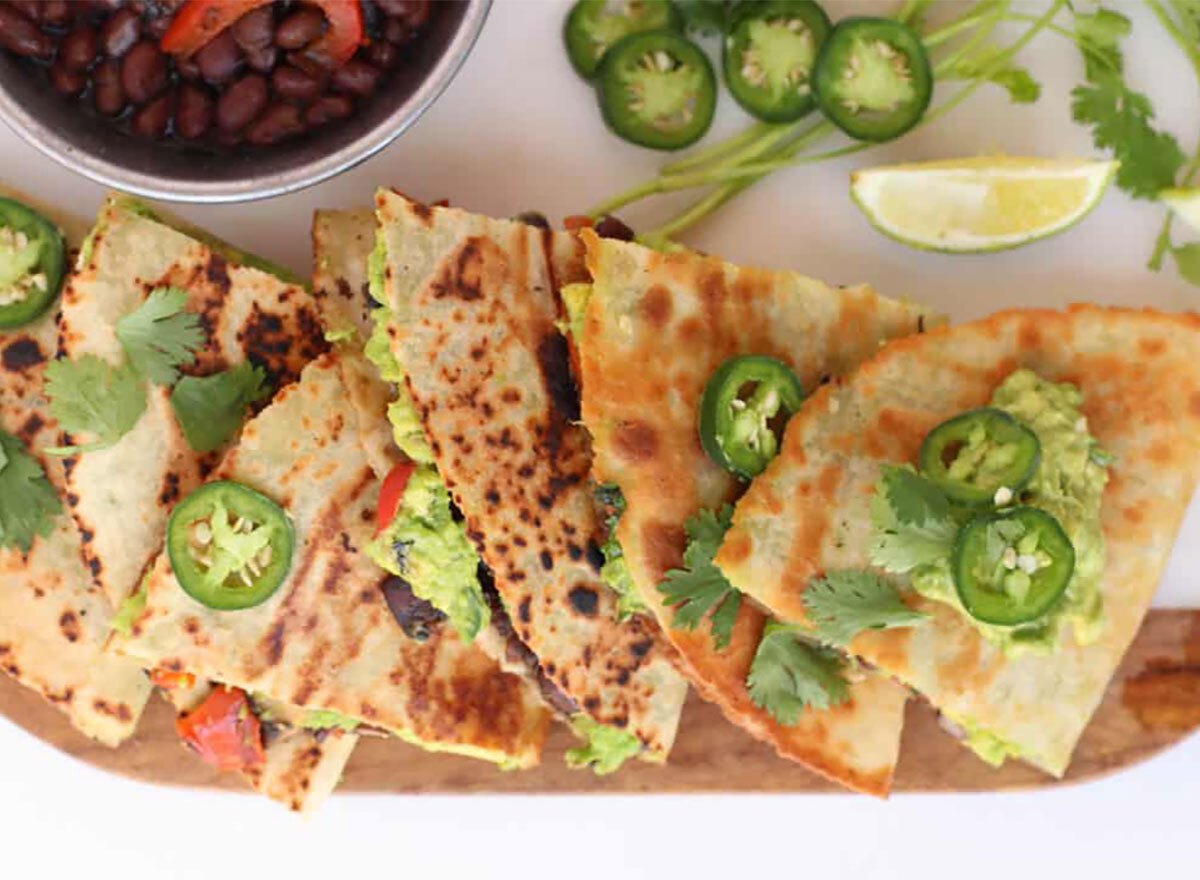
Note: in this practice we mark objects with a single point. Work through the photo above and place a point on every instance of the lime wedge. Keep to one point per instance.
(1185, 203)
(990, 203)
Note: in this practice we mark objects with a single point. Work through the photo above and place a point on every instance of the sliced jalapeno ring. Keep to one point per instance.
(592, 26)
(980, 458)
(32, 261)
(745, 407)
(657, 89)
(1012, 566)
(769, 57)
(230, 546)
(872, 78)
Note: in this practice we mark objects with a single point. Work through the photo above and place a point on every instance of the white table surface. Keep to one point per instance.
(517, 131)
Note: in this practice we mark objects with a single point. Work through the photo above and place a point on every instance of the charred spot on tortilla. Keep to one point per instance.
(635, 441)
(554, 361)
(21, 355)
(463, 273)
(68, 623)
(30, 428)
(584, 600)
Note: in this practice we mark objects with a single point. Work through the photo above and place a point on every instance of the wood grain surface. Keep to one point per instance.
(1152, 703)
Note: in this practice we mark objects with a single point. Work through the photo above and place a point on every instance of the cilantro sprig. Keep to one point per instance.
(89, 395)
(700, 589)
(842, 604)
(790, 675)
(159, 336)
(28, 503)
(210, 409)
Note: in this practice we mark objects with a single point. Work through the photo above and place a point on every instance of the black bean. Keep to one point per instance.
(157, 26)
(396, 33)
(356, 78)
(383, 54)
(327, 109)
(262, 60)
(31, 9)
(20, 35)
(610, 227)
(108, 94)
(255, 29)
(299, 29)
(534, 218)
(120, 32)
(241, 102)
(219, 59)
(152, 120)
(296, 85)
(144, 72)
(413, 13)
(78, 49)
(417, 617)
(193, 116)
(187, 68)
(66, 81)
(280, 121)
(56, 13)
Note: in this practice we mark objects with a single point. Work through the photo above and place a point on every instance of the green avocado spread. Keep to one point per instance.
(1068, 483)
(423, 544)
(605, 747)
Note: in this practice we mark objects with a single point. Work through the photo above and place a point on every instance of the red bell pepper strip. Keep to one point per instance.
(198, 21)
(223, 730)
(391, 493)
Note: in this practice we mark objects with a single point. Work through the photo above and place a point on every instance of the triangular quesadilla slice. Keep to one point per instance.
(651, 331)
(1099, 411)
(325, 650)
(121, 493)
(472, 328)
(53, 620)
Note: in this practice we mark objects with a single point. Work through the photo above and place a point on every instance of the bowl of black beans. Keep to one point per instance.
(224, 100)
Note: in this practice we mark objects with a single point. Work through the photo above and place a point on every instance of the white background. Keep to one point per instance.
(517, 131)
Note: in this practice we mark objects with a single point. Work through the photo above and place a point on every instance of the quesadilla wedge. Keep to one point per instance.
(141, 459)
(53, 620)
(323, 649)
(486, 385)
(1062, 449)
(652, 331)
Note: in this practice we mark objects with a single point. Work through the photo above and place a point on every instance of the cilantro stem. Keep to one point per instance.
(1163, 243)
(718, 150)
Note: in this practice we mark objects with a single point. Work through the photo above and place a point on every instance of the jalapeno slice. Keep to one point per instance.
(32, 259)
(230, 546)
(745, 407)
(872, 78)
(769, 56)
(592, 26)
(1012, 566)
(657, 89)
(980, 458)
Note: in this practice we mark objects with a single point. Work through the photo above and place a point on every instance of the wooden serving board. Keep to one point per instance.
(1152, 703)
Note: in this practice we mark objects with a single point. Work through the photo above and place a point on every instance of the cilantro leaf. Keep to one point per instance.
(844, 603)
(89, 395)
(1098, 35)
(28, 503)
(159, 335)
(912, 521)
(1021, 86)
(210, 409)
(700, 587)
(789, 675)
(1187, 261)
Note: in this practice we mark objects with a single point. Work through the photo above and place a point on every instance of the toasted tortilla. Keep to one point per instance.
(120, 497)
(1139, 372)
(656, 328)
(326, 640)
(474, 309)
(53, 620)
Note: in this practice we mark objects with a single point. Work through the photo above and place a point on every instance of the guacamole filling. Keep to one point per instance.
(605, 747)
(1068, 483)
(424, 543)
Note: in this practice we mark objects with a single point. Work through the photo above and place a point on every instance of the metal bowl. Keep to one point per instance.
(58, 128)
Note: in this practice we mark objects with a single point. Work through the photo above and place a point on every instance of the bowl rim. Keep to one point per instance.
(198, 191)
